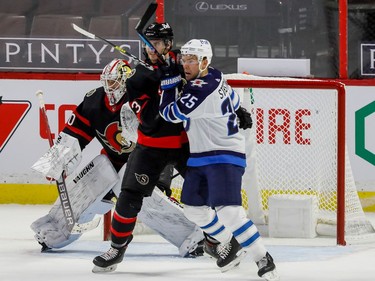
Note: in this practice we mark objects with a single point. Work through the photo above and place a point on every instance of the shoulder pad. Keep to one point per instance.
(90, 93)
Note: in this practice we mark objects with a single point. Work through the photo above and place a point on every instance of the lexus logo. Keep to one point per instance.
(202, 6)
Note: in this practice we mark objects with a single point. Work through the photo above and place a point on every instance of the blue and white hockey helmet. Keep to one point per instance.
(198, 47)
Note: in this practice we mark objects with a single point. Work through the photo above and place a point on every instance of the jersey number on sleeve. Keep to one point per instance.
(188, 101)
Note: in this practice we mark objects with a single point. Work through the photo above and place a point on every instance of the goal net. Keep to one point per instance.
(297, 148)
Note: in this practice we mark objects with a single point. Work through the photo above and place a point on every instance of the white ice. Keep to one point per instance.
(149, 257)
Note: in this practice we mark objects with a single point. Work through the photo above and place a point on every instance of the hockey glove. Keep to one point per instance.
(64, 155)
(244, 118)
(129, 125)
(165, 180)
(170, 75)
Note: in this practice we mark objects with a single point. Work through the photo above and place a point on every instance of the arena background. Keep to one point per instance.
(40, 50)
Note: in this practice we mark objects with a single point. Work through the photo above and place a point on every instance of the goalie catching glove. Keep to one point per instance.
(244, 118)
(64, 155)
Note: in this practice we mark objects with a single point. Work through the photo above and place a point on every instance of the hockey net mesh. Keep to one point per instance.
(294, 148)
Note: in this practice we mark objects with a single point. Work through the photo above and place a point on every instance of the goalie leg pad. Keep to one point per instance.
(165, 216)
(86, 190)
(52, 231)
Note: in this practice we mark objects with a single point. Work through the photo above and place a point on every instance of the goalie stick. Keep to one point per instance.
(74, 227)
(118, 48)
(141, 25)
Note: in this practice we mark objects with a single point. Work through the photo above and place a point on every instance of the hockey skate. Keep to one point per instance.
(230, 255)
(210, 246)
(198, 251)
(108, 261)
(45, 248)
(267, 268)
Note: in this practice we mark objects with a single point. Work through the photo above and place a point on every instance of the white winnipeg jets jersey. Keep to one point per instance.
(207, 107)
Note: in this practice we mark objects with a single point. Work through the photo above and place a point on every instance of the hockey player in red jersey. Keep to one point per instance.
(99, 116)
(159, 143)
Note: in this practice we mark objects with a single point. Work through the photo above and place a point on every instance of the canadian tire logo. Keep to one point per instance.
(361, 149)
(11, 115)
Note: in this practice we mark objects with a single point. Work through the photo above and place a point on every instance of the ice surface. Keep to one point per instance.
(150, 257)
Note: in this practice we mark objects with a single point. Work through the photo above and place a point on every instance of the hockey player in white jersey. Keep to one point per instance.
(104, 115)
(211, 193)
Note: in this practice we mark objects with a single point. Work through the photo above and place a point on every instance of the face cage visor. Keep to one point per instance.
(114, 87)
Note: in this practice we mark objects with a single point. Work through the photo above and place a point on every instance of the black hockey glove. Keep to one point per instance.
(165, 180)
(244, 118)
(170, 75)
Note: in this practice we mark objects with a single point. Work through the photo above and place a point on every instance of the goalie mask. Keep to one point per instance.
(113, 79)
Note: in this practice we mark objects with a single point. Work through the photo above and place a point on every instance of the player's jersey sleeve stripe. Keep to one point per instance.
(177, 113)
(235, 99)
(79, 132)
(169, 108)
(83, 119)
(168, 116)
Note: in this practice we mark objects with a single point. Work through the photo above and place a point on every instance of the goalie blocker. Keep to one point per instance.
(87, 190)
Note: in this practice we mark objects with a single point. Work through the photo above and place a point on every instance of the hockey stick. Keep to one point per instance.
(175, 175)
(73, 227)
(141, 25)
(118, 48)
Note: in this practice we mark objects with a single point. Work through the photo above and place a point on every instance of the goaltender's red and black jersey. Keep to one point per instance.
(143, 90)
(95, 118)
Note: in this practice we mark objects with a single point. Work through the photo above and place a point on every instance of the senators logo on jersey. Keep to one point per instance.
(112, 139)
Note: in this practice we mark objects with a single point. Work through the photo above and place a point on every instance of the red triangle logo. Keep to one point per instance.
(11, 115)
